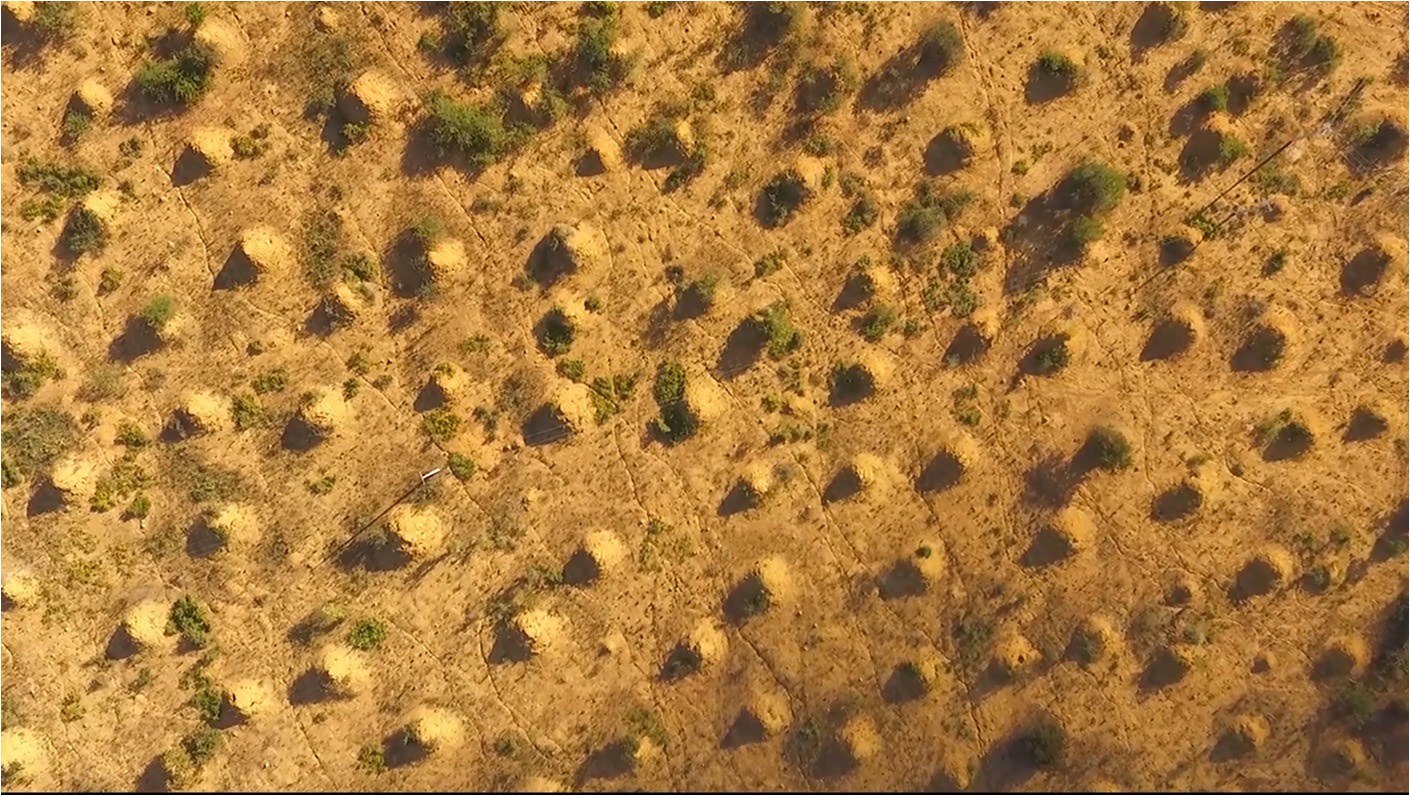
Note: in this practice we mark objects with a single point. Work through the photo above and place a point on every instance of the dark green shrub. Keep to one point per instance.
(1215, 98)
(33, 438)
(959, 259)
(1109, 448)
(55, 21)
(555, 333)
(440, 424)
(1057, 65)
(1082, 231)
(877, 321)
(573, 369)
(1052, 357)
(676, 422)
(598, 67)
(822, 89)
(461, 466)
(85, 231)
(1095, 187)
(863, 214)
(470, 27)
(367, 634)
(181, 79)
(930, 210)
(768, 264)
(24, 380)
(780, 335)
(941, 47)
(57, 178)
(1231, 149)
(189, 619)
(477, 133)
(201, 744)
(781, 197)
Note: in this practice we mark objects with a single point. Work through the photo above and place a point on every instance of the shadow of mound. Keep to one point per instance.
(680, 663)
(843, 486)
(237, 272)
(1047, 548)
(202, 541)
(1169, 339)
(741, 351)
(1260, 351)
(899, 81)
(1050, 483)
(544, 427)
(1387, 145)
(1176, 503)
(852, 385)
(902, 579)
(419, 157)
(1199, 155)
(1038, 241)
(154, 778)
(510, 645)
(1362, 273)
(22, 44)
(45, 499)
(311, 688)
(968, 345)
(1043, 86)
(855, 292)
(1290, 442)
(745, 730)
(121, 645)
(746, 600)
(1392, 540)
(1255, 579)
(834, 761)
(431, 396)
(405, 264)
(904, 685)
(138, 339)
(1163, 670)
(1152, 29)
(943, 472)
(737, 501)
(549, 262)
(944, 155)
(610, 762)
(188, 168)
(400, 750)
(299, 437)
(581, 569)
(1181, 72)
(1007, 766)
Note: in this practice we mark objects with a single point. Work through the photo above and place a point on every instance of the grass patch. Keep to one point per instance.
(180, 79)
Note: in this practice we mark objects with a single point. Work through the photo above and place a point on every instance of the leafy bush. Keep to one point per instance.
(782, 196)
(1095, 187)
(928, 212)
(440, 424)
(272, 381)
(1083, 231)
(85, 231)
(1215, 98)
(1046, 745)
(470, 27)
(780, 335)
(372, 759)
(1053, 357)
(55, 21)
(959, 259)
(181, 79)
(598, 67)
(477, 133)
(158, 312)
(555, 332)
(1109, 448)
(22, 381)
(57, 178)
(876, 323)
(1055, 64)
(367, 634)
(33, 438)
(461, 466)
(863, 214)
(675, 423)
(769, 263)
(821, 89)
(201, 744)
(1231, 149)
(189, 619)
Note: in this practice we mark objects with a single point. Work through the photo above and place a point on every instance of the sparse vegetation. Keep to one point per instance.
(189, 620)
(926, 214)
(475, 132)
(367, 634)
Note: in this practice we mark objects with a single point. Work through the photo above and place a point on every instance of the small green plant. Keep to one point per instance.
(201, 744)
(60, 179)
(1055, 64)
(195, 14)
(207, 703)
(273, 381)
(1094, 188)
(470, 28)
(75, 123)
(180, 79)
(877, 321)
(769, 263)
(130, 435)
(158, 312)
(1276, 262)
(960, 260)
(1053, 357)
(322, 486)
(556, 332)
(371, 759)
(367, 634)
(85, 231)
(251, 146)
(702, 291)
(863, 214)
(33, 438)
(781, 197)
(1215, 98)
(24, 379)
(55, 21)
(247, 412)
(780, 336)
(1231, 149)
(1110, 449)
(189, 620)
(1083, 231)
(657, 8)
(477, 133)
(138, 509)
(643, 724)
(573, 369)
(461, 466)
(929, 211)
(441, 424)
(598, 67)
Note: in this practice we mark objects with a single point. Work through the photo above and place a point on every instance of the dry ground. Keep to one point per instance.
(989, 610)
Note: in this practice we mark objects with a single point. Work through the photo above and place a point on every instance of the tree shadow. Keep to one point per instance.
(22, 44)
(762, 28)
(420, 156)
(1181, 72)
(1151, 30)
(1392, 540)
(899, 81)
(1038, 241)
(855, 292)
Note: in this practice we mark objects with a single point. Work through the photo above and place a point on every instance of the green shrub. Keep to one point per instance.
(556, 332)
(1095, 187)
(256, 143)
(877, 322)
(201, 744)
(461, 466)
(769, 263)
(441, 424)
(1109, 448)
(573, 369)
(782, 196)
(367, 634)
(158, 312)
(55, 21)
(960, 260)
(863, 214)
(1083, 231)
(470, 27)
(702, 290)
(372, 759)
(189, 619)
(1046, 745)
(273, 381)
(1055, 64)
(941, 46)
(822, 89)
(781, 337)
(675, 423)
(138, 509)
(181, 79)
(477, 133)
(655, 138)
(75, 123)
(928, 212)
(1231, 149)
(60, 179)
(1053, 357)
(24, 380)
(247, 412)
(85, 231)
(207, 702)
(598, 68)
(1215, 98)
(657, 8)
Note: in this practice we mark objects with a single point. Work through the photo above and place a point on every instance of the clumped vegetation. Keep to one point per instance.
(476, 132)
(33, 439)
(928, 213)
(189, 620)
(781, 197)
(598, 68)
(1092, 190)
(367, 634)
(675, 423)
(84, 232)
(181, 79)
(61, 179)
(556, 332)
(1109, 448)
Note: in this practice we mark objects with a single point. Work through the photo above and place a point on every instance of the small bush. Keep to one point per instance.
(1046, 745)
(158, 312)
(702, 290)
(930, 210)
(782, 196)
(1095, 187)
(598, 68)
(247, 412)
(22, 382)
(461, 466)
(85, 232)
(55, 21)
(441, 424)
(941, 47)
(822, 89)
(1231, 149)
(1053, 357)
(1110, 449)
(189, 619)
(207, 702)
(273, 381)
(477, 133)
(780, 335)
(1215, 98)
(249, 147)
(960, 260)
(768, 264)
(33, 438)
(1055, 64)
(876, 323)
(371, 759)
(181, 79)
(555, 333)
(675, 423)
(863, 214)
(201, 744)
(57, 178)
(367, 634)
(75, 123)
(469, 28)
(1083, 231)
(138, 509)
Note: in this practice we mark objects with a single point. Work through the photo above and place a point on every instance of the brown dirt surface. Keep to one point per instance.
(829, 397)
